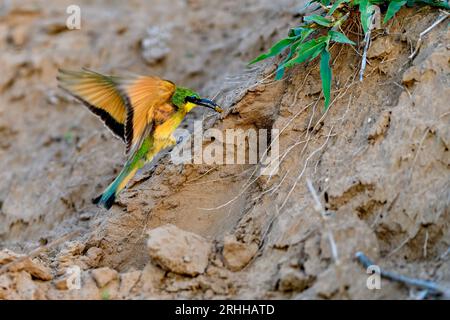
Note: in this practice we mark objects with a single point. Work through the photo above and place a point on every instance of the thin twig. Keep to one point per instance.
(401, 245)
(425, 244)
(304, 168)
(432, 287)
(364, 56)
(327, 228)
(252, 180)
(411, 170)
(423, 33)
(319, 208)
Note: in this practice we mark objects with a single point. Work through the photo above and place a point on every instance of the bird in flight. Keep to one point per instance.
(143, 111)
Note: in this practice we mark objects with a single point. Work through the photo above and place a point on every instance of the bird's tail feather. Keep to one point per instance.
(107, 198)
(134, 163)
(108, 202)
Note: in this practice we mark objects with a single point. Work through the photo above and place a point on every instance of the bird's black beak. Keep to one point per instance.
(205, 103)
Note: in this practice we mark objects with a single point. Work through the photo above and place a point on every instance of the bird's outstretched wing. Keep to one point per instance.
(100, 94)
(147, 103)
(128, 106)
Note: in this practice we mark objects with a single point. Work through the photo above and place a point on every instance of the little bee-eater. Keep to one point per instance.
(142, 111)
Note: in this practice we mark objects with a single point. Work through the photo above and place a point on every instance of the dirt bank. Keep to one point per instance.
(378, 158)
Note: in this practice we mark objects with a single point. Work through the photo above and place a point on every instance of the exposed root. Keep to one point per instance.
(431, 287)
(304, 168)
(423, 33)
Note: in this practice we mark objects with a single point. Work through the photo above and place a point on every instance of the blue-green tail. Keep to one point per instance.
(130, 168)
(107, 198)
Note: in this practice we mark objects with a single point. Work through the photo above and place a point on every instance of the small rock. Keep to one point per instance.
(70, 255)
(55, 27)
(381, 126)
(38, 271)
(61, 284)
(177, 250)
(73, 248)
(237, 254)
(26, 288)
(380, 47)
(24, 263)
(7, 291)
(6, 256)
(88, 290)
(127, 281)
(327, 285)
(411, 75)
(85, 216)
(151, 278)
(217, 272)
(93, 256)
(291, 279)
(103, 276)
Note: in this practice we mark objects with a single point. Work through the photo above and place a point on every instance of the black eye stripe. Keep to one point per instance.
(190, 99)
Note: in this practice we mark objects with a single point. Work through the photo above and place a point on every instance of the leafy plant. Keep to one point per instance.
(106, 295)
(313, 37)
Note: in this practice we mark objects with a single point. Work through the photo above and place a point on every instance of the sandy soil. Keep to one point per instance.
(379, 159)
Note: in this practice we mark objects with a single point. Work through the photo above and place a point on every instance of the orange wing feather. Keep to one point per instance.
(128, 106)
(147, 105)
(100, 94)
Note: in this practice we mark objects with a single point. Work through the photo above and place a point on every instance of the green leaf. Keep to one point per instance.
(276, 49)
(296, 31)
(335, 6)
(301, 31)
(307, 51)
(324, 2)
(106, 295)
(393, 8)
(318, 19)
(339, 37)
(304, 34)
(280, 72)
(281, 69)
(325, 74)
(365, 8)
(434, 3)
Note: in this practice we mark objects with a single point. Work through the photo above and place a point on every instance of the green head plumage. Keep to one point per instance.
(181, 96)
